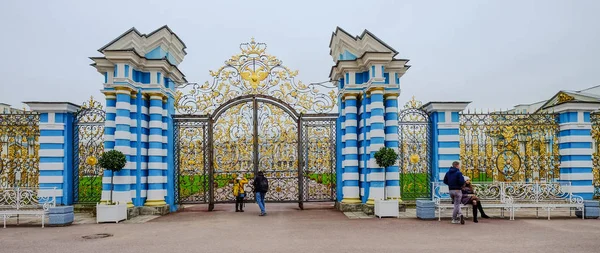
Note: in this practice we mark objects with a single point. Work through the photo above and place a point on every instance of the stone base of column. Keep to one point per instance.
(348, 207)
(155, 203)
(370, 209)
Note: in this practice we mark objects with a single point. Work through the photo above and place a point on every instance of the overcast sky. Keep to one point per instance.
(495, 54)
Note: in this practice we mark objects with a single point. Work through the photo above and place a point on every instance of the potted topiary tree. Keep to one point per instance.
(386, 157)
(114, 161)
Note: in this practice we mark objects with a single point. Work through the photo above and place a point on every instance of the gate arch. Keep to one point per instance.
(254, 116)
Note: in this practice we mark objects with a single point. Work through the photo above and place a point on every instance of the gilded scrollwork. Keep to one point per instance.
(413, 133)
(595, 119)
(19, 147)
(509, 147)
(89, 145)
(253, 71)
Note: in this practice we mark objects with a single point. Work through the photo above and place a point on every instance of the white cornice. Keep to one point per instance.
(52, 106)
(445, 106)
(588, 107)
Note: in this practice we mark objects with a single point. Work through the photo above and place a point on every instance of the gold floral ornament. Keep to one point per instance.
(91, 161)
(251, 72)
(414, 158)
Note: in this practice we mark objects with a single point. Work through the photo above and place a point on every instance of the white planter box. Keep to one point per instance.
(111, 213)
(386, 208)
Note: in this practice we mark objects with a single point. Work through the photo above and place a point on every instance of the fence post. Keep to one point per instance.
(445, 138)
(576, 146)
(56, 148)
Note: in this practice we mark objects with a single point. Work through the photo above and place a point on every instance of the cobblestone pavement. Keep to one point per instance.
(318, 228)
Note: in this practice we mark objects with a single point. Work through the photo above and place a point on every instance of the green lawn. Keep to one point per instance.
(90, 189)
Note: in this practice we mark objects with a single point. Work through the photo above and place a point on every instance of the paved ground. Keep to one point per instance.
(319, 228)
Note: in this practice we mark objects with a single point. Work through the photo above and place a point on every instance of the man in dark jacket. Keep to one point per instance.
(455, 181)
(261, 187)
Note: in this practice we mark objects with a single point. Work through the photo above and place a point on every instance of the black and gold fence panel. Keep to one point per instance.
(595, 119)
(19, 146)
(509, 147)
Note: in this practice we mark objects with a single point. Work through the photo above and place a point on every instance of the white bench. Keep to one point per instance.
(547, 196)
(489, 194)
(514, 196)
(26, 201)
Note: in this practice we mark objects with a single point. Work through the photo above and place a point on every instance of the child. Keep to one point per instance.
(239, 193)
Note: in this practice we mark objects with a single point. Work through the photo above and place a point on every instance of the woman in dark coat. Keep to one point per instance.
(469, 197)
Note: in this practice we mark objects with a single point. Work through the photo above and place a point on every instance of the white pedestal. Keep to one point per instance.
(386, 208)
(111, 213)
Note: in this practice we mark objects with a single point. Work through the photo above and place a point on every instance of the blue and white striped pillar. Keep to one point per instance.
(134, 147)
(145, 132)
(350, 176)
(156, 161)
(445, 137)
(375, 141)
(576, 147)
(122, 179)
(109, 140)
(392, 173)
(170, 191)
(363, 144)
(56, 149)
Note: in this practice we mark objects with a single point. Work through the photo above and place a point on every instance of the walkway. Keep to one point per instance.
(319, 228)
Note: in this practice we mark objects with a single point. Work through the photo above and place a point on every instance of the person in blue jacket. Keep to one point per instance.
(455, 181)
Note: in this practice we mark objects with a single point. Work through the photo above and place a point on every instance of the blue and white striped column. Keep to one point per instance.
(376, 140)
(392, 173)
(575, 147)
(56, 149)
(135, 147)
(145, 132)
(156, 161)
(109, 140)
(122, 179)
(350, 176)
(340, 144)
(445, 138)
(363, 143)
(165, 143)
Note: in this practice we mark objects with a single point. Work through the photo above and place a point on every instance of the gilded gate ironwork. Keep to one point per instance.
(595, 119)
(414, 149)
(191, 142)
(509, 147)
(319, 171)
(19, 149)
(88, 145)
(252, 114)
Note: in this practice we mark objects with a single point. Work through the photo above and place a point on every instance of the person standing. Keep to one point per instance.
(261, 187)
(455, 181)
(239, 193)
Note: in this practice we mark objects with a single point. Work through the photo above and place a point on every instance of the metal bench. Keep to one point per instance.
(547, 196)
(489, 194)
(26, 201)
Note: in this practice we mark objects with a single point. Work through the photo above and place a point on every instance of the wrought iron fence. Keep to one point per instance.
(191, 160)
(19, 147)
(88, 145)
(509, 147)
(319, 171)
(595, 119)
(415, 152)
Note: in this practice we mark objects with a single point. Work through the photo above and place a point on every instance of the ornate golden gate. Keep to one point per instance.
(510, 147)
(255, 117)
(415, 151)
(595, 119)
(19, 146)
(88, 144)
